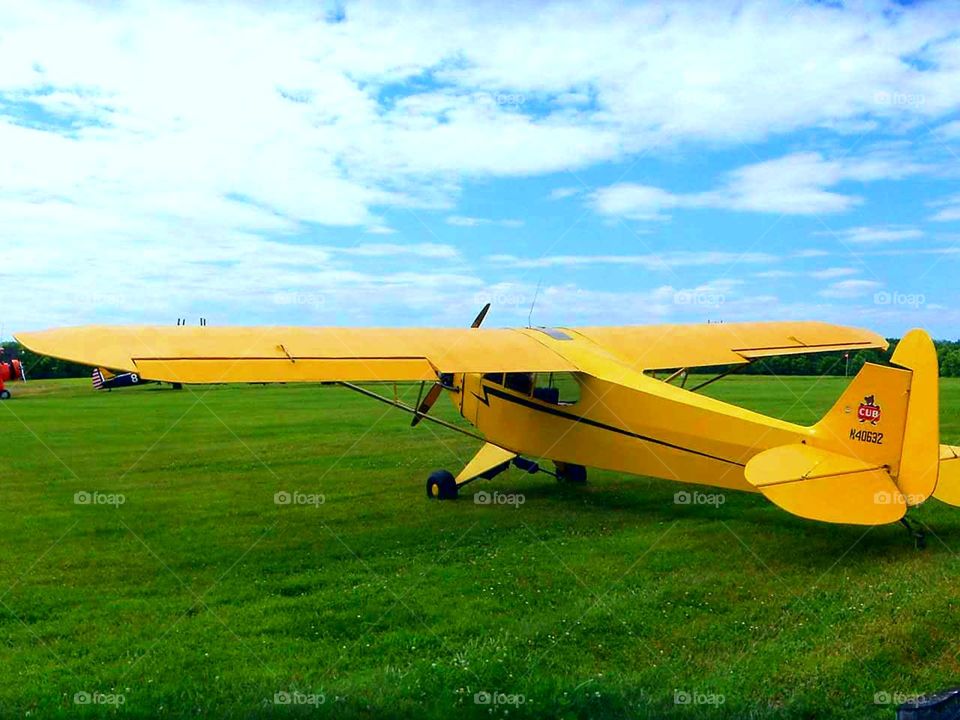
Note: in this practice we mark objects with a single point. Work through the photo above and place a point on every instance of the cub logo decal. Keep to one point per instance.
(868, 411)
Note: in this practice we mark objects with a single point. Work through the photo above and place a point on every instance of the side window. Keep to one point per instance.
(560, 388)
(519, 382)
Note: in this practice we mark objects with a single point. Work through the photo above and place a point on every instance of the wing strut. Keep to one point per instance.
(731, 371)
(407, 408)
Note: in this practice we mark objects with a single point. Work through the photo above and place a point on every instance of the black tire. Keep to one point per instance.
(569, 473)
(441, 485)
(4, 394)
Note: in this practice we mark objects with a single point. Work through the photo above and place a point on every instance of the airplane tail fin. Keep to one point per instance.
(99, 377)
(874, 454)
(890, 416)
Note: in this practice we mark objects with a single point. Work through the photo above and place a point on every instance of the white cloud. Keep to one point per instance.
(947, 214)
(467, 221)
(564, 192)
(795, 184)
(423, 250)
(652, 261)
(881, 234)
(950, 130)
(636, 202)
(846, 289)
(949, 209)
(834, 272)
(380, 230)
(775, 274)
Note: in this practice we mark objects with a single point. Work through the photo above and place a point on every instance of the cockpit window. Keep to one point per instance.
(558, 388)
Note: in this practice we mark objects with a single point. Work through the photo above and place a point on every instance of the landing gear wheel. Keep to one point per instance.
(569, 473)
(441, 485)
(4, 394)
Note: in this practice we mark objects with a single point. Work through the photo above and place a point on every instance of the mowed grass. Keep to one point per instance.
(200, 596)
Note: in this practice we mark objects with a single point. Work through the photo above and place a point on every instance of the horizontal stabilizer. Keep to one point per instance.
(822, 485)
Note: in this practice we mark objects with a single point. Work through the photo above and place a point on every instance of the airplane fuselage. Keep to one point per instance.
(654, 431)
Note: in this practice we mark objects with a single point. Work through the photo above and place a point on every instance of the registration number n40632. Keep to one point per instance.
(866, 436)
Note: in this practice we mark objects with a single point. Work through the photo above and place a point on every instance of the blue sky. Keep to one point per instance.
(381, 165)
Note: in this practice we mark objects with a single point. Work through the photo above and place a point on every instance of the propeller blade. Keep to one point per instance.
(479, 319)
(427, 403)
(434, 393)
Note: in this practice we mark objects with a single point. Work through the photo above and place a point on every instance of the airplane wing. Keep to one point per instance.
(304, 354)
(662, 347)
(295, 354)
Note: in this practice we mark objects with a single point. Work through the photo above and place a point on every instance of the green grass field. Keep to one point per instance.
(200, 596)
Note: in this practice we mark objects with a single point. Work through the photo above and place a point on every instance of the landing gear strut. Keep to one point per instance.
(919, 537)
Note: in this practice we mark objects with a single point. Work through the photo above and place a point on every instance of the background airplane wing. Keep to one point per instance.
(660, 347)
(295, 354)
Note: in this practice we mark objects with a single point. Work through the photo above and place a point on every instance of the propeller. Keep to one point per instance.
(434, 393)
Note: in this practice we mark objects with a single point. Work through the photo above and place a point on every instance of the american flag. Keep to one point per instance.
(97, 378)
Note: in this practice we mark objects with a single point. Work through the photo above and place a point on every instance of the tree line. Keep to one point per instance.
(41, 367)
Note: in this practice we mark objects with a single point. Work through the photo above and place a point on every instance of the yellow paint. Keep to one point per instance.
(489, 457)
(920, 463)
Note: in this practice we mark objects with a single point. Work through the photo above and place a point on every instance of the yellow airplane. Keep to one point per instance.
(592, 397)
